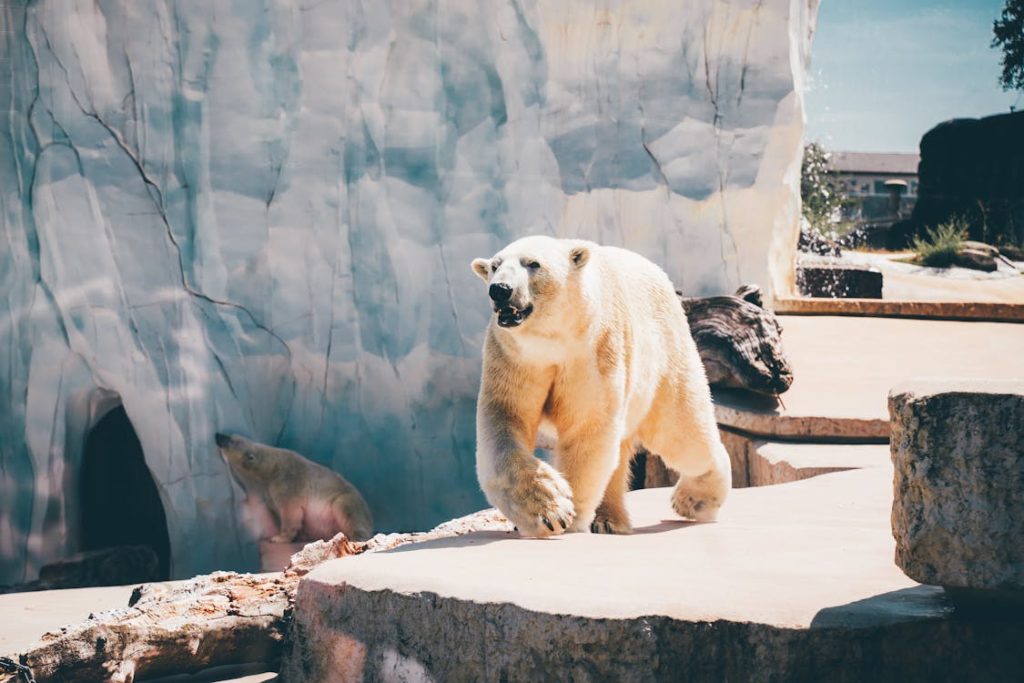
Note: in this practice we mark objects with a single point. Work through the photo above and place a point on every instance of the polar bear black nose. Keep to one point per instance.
(499, 292)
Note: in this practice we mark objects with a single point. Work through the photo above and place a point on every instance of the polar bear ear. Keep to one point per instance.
(482, 267)
(579, 255)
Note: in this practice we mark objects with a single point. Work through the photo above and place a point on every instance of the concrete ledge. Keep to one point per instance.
(937, 310)
(795, 582)
(430, 638)
(768, 463)
(759, 416)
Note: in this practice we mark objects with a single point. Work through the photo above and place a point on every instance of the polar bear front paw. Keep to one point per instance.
(699, 498)
(540, 502)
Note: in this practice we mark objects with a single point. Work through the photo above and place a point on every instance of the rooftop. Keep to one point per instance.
(874, 162)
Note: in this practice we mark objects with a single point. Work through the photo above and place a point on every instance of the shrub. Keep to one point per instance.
(939, 247)
(820, 193)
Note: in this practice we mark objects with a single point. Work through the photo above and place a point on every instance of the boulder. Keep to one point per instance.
(986, 249)
(958, 508)
(975, 259)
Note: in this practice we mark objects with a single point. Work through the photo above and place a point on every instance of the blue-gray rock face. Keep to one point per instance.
(258, 217)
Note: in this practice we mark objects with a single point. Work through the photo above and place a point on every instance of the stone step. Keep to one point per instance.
(766, 463)
(757, 462)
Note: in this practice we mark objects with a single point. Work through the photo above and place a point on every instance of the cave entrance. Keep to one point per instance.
(120, 502)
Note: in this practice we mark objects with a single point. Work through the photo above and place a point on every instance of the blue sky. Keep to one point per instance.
(883, 72)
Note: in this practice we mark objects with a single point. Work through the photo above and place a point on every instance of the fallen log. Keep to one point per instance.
(216, 620)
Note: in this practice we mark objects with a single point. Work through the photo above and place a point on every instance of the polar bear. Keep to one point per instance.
(589, 346)
(307, 500)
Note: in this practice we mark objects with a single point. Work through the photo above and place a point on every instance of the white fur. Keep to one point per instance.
(604, 362)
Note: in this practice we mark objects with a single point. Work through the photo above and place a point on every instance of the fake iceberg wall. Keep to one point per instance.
(258, 217)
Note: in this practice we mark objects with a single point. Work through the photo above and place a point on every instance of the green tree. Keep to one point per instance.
(820, 192)
(1009, 36)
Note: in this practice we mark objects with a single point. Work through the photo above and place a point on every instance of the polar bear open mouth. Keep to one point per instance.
(510, 316)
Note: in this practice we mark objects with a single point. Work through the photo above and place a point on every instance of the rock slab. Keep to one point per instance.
(958, 508)
(793, 583)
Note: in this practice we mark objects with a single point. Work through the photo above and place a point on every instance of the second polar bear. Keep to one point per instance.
(589, 345)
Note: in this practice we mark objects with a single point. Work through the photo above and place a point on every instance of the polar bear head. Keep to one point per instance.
(531, 277)
(250, 462)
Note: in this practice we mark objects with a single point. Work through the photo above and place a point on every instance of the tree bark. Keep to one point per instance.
(739, 341)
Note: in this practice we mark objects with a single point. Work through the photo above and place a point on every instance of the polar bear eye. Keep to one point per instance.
(532, 265)
(495, 265)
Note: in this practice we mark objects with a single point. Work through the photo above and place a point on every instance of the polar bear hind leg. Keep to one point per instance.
(682, 430)
(612, 516)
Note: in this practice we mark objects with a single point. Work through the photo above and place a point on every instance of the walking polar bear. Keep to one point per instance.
(589, 346)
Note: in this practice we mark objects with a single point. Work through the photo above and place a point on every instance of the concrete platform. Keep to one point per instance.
(795, 581)
(844, 367)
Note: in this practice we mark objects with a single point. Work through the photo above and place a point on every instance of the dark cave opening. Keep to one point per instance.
(120, 502)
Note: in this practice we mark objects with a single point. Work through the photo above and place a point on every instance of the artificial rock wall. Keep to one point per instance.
(258, 217)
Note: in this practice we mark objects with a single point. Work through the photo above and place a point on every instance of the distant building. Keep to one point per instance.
(873, 181)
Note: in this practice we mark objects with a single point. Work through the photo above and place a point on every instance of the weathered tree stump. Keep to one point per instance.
(739, 341)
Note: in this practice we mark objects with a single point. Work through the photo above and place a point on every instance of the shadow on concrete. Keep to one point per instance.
(665, 525)
(894, 607)
(477, 538)
(747, 400)
(474, 538)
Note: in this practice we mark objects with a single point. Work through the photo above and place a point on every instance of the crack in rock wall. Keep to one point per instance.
(259, 217)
